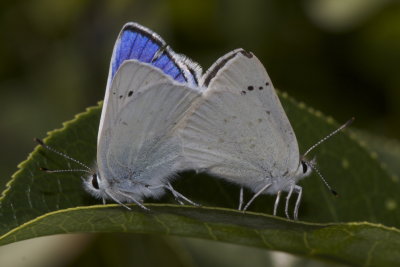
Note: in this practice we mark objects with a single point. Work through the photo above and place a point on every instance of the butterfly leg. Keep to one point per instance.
(170, 188)
(174, 192)
(179, 196)
(278, 198)
(240, 198)
(256, 195)
(127, 196)
(299, 190)
(287, 201)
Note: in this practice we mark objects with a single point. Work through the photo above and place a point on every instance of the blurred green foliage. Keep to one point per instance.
(339, 56)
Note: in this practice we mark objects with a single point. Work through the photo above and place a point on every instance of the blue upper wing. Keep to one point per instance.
(140, 43)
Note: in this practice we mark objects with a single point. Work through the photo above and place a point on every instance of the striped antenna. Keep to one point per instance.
(312, 165)
(87, 169)
(67, 170)
(329, 135)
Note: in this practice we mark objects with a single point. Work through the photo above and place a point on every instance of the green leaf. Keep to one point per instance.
(37, 203)
(353, 243)
(386, 150)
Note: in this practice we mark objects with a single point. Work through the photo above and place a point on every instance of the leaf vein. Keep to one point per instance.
(266, 243)
(210, 232)
(167, 229)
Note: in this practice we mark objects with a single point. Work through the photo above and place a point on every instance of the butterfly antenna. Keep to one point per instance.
(312, 165)
(329, 135)
(68, 170)
(40, 142)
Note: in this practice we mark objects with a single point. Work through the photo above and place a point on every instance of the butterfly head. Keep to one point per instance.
(96, 186)
(306, 167)
(99, 187)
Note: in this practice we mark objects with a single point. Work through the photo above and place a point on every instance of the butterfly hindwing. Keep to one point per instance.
(137, 143)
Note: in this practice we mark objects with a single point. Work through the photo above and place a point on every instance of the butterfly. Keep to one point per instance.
(238, 131)
(149, 90)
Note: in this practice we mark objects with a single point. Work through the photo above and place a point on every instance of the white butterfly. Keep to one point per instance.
(150, 88)
(138, 152)
(239, 131)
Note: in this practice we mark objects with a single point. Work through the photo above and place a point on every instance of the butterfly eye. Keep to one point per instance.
(305, 167)
(95, 183)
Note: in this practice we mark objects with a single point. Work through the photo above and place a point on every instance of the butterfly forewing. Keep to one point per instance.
(136, 42)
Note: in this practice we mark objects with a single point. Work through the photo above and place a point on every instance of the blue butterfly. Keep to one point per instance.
(149, 90)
